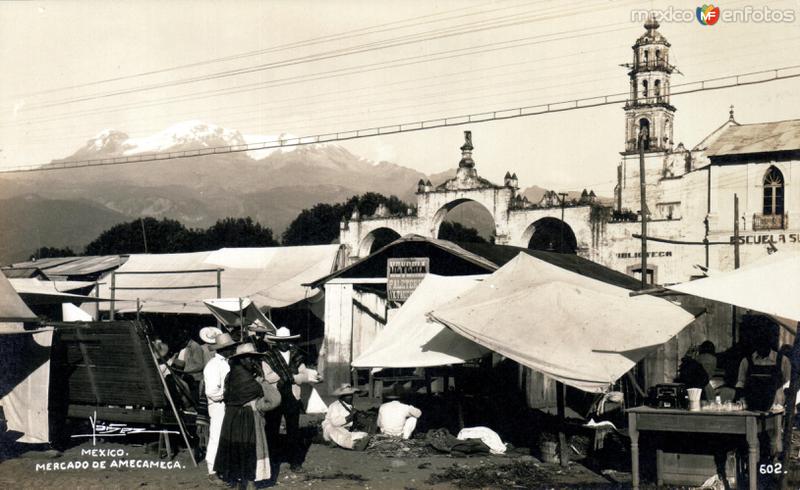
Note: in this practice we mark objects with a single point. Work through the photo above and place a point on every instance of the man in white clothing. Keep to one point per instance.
(214, 378)
(339, 421)
(398, 419)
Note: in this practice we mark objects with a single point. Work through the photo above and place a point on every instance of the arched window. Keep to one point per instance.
(644, 133)
(644, 88)
(773, 192)
(658, 55)
(657, 88)
(646, 57)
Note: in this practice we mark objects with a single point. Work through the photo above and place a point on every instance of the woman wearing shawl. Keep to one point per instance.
(243, 455)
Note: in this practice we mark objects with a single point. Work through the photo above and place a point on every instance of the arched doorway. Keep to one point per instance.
(376, 239)
(464, 220)
(551, 235)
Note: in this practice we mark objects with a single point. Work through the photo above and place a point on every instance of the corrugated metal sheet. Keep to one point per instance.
(757, 138)
(63, 267)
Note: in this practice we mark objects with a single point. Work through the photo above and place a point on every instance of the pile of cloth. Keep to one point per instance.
(471, 440)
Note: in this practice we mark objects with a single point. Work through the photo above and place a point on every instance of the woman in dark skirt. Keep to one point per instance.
(242, 455)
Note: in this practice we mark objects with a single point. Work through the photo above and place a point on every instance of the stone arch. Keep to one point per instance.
(545, 234)
(376, 239)
(441, 213)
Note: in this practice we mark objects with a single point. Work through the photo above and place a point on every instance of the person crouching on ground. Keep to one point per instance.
(243, 454)
(214, 380)
(398, 419)
(339, 420)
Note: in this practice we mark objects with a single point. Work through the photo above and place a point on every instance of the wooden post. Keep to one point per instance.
(562, 419)
(735, 260)
(788, 420)
(113, 290)
(643, 201)
(563, 203)
(219, 292)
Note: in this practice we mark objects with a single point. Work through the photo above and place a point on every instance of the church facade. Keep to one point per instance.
(690, 192)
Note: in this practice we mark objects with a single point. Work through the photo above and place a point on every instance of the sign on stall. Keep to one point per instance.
(404, 275)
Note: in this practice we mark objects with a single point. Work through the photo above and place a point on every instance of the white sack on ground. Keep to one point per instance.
(581, 331)
(486, 435)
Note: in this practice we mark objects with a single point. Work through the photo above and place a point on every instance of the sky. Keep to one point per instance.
(305, 67)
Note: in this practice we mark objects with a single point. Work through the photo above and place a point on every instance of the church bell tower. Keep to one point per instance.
(648, 109)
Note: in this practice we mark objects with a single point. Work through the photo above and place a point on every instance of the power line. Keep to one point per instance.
(364, 48)
(308, 42)
(742, 79)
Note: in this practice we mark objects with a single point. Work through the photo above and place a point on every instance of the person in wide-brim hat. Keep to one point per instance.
(246, 349)
(283, 334)
(223, 341)
(208, 334)
(338, 424)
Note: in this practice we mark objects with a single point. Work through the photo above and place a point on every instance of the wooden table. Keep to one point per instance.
(746, 423)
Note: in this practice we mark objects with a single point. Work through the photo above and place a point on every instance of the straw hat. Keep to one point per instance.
(259, 327)
(222, 341)
(282, 334)
(246, 349)
(208, 334)
(345, 389)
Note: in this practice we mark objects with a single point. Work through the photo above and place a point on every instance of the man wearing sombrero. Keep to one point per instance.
(214, 378)
(285, 367)
(339, 420)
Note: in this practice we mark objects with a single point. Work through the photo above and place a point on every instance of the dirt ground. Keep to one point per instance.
(128, 463)
(325, 467)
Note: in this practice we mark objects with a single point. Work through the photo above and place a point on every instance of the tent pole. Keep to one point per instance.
(643, 199)
(175, 411)
(562, 419)
(789, 412)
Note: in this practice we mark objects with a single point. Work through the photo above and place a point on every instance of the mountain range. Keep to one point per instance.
(70, 207)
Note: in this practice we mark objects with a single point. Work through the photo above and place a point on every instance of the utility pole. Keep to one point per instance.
(563, 203)
(735, 259)
(643, 200)
(144, 234)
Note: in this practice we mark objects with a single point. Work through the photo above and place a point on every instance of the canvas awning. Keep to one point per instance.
(769, 286)
(410, 339)
(12, 308)
(237, 312)
(581, 331)
(272, 277)
(38, 292)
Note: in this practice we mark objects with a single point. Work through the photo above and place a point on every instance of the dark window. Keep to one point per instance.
(644, 133)
(644, 88)
(657, 88)
(773, 192)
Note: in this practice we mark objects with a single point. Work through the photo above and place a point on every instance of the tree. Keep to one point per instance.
(320, 224)
(316, 226)
(164, 236)
(456, 232)
(237, 232)
(47, 252)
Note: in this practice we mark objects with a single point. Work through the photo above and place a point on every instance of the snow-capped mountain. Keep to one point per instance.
(187, 135)
(272, 186)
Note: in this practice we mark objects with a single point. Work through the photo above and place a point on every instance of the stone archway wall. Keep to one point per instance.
(432, 207)
(365, 246)
(521, 226)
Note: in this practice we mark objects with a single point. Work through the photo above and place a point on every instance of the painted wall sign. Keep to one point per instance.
(636, 255)
(404, 275)
(764, 239)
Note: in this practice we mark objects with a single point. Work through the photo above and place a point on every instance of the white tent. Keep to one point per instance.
(12, 308)
(272, 277)
(410, 339)
(583, 332)
(234, 312)
(769, 286)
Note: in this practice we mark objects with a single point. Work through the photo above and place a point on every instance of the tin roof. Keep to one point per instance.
(61, 267)
(767, 137)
